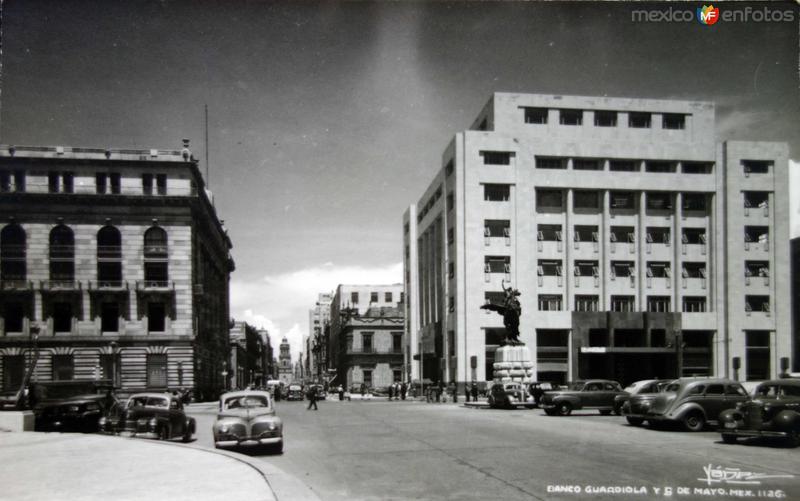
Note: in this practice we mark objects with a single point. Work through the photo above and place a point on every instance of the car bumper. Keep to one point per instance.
(138, 434)
(247, 442)
(648, 417)
(731, 429)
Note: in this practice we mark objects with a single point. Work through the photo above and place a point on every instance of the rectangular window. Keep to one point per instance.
(694, 304)
(585, 234)
(586, 269)
(659, 304)
(622, 269)
(550, 302)
(658, 269)
(354, 298)
(605, 118)
(535, 115)
(552, 199)
(549, 232)
(674, 121)
(756, 303)
(622, 234)
(570, 117)
(451, 304)
(756, 234)
(496, 228)
(658, 235)
(659, 201)
(109, 273)
(758, 355)
(157, 370)
(551, 163)
(494, 297)
(451, 269)
(496, 192)
(13, 372)
(450, 201)
(14, 315)
(587, 164)
(53, 182)
(496, 157)
(623, 303)
(366, 343)
(451, 236)
(637, 120)
(697, 167)
(147, 184)
(756, 269)
(693, 270)
(549, 268)
(156, 316)
(109, 317)
(5, 181)
(694, 236)
(694, 201)
(622, 200)
(387, 297)
(156, 274)
(100, 183)
(367, 378)
(62, 317)
(397, 342)
(659, 166)
(586, 199)
(497, 264)
(756, 167)
(115, 183)
(586, 303)
(63, 367)
(373, 297)
(624, 166)
(161, 184)
(68, 180)
(448, 169)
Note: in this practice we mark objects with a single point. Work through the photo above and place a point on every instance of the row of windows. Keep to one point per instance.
(64, 313)
(63, 369)
(604, 118)
(13, 251)
(651, 166)
(64, 182)
(367, 346)
(592, 199)
(493, 228)
(373, 297)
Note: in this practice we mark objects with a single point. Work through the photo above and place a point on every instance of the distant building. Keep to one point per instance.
(345, 352)
(316, 346)
(113, 264)
(795, 274)
(285, 368)
(642, 247)
(248, 354)
(268, 356)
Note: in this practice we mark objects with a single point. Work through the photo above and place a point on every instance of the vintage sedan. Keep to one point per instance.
(509, 396)
(591, 394)
(154, 415)
(692, 402)
(295, 392)
(774, 411)
(645, 386)
(246, 419)
(70, 406)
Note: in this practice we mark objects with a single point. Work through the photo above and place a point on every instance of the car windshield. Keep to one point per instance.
(672, 388)
(247, 401)
(147, 402)
(576, 386)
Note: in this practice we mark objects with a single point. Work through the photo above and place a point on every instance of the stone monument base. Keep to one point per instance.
(513, 364)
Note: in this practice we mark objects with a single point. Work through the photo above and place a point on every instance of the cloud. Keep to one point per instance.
(280, 303)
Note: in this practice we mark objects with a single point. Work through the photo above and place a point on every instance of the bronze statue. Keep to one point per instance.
(511, 310)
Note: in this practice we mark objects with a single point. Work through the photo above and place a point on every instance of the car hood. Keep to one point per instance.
(245, 413)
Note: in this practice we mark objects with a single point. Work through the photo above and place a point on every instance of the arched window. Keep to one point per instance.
(109, 257)
(62, 255)
(12, 253)
(156, 272)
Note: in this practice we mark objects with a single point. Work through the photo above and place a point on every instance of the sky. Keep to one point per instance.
(326, 120)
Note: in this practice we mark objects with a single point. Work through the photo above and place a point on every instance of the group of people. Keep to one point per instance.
(398, 391)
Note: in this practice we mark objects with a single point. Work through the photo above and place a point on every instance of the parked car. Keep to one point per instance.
(690, 401)
(247, 419)
(508, 396)
(321, 393)
(774, 411)
(70, 406)
(537, 389)
(154, 415)
(645, 386)
(591, 394)
(294, 392)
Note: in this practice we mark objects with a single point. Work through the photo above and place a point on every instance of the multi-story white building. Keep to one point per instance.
(642, 246)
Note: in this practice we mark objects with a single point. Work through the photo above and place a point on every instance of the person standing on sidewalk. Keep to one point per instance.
(391, 391)
(474, 391)
(312, 397)
(466, 391)
(403, 390)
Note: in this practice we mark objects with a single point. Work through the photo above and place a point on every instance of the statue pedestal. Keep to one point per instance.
(513, 364)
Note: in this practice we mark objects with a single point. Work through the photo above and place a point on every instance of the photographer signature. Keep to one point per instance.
(718, 474)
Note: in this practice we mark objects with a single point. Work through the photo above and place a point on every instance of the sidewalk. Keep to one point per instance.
(78, 467)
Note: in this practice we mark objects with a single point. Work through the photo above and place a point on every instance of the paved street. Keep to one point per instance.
(414, 450)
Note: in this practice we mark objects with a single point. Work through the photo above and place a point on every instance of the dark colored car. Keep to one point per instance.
(692, 402)
(295, 392)
(154, 415)
(591, 394)
(774, 411)
(508, 396)
(70, 406)
(537, 389)
(646, 386)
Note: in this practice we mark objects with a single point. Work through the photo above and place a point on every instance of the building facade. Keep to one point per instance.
(248, 357)
(641, 246)
(318, 330)
(373, 354)
(114, 265)
(285, 367)
(348, 302)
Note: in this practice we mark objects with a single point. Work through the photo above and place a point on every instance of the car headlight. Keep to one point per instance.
(224, 428)
(152, 423)
(102, 421)
(272, 427)
(646, 404)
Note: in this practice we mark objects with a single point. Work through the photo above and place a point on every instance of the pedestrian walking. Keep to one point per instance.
(341, 392)
(403, 390)
(454, 391)
(312, 397)
(466, 391)
(391, 391)
(438, 390)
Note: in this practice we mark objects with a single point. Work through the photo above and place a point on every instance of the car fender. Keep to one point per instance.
(191, 424)
(787, 420)
(730, 416)
(682, 410)
(571, 399)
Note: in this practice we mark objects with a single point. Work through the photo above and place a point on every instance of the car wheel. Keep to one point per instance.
(565, 409)
(634, 421)
(728, 438)
(187, 435)
(618, 410)
(694, 421)
(605, 412)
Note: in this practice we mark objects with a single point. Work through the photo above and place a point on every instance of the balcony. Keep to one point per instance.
(60, 284)
(108, 285)
(155, 285)
(14, 284)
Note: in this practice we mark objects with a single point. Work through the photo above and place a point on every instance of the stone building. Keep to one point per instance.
(316, 346)
(114, 265)
(285, 367)
(249, 353)
(641, 245)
